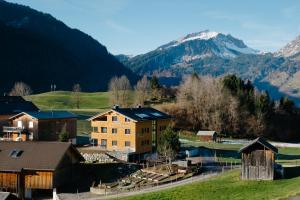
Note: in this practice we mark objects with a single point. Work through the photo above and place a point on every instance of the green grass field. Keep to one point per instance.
(228, 186)
(64, 100)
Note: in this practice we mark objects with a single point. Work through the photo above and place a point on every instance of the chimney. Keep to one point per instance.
(116, 106)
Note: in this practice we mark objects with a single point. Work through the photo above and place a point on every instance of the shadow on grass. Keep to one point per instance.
(287, 157)
(85, 175)
(291, 172)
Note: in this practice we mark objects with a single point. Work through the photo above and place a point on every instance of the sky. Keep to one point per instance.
(137, 26)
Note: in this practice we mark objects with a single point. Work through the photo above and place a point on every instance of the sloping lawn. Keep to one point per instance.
(228, 186)
(65, 100)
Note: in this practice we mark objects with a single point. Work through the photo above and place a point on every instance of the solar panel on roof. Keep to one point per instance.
(156, 114)
(142, 115)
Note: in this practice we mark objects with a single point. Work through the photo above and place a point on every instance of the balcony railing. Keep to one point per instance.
(11, 129)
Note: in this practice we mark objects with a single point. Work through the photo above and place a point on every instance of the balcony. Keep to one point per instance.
(11, 129)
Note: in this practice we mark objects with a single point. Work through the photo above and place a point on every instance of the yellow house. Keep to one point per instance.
(129, 130)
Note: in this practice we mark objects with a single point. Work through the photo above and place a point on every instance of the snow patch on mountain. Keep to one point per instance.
(204, 35)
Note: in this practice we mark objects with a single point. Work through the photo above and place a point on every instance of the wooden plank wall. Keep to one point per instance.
(39, 180)
(258, 165)
(8, 180)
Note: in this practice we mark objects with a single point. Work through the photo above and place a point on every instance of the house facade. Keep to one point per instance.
(12, 105)
(42, 126)
(29, 166)
(132, 130)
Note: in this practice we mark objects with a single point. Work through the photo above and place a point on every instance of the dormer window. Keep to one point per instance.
(114, 118)
(15, 153)
(127, 119)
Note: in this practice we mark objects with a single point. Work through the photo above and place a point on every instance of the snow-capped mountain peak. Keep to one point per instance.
(291, 49)
(209, 43)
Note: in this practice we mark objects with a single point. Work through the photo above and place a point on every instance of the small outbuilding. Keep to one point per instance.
(258, 160)
(207, 136)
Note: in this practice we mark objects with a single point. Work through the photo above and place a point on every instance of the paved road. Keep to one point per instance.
(90, 196)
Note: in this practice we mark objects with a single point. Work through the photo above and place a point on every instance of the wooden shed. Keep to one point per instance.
(258, 160)
(207, 136)
(29, 166)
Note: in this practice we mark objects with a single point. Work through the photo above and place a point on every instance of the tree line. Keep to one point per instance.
(234, 108)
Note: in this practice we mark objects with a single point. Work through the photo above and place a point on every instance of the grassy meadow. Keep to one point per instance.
(228, 186)
(64, 100)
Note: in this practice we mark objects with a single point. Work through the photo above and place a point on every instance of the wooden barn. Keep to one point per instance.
(27, 167)
(207, 136)
(258, 160)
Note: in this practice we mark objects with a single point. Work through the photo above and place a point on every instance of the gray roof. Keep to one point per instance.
(10, 105)
(48, 115)
(139, 114)
(34, 155)
(261, 141)
(206, 133)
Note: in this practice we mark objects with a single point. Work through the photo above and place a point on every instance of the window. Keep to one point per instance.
(114, 118)
(114, 143)
(30, 125)
(20, 124)
(114, 130)
(95, 129)
(103, 142)
(127, 131)
(103, 130)
(142, 142)
(127, 119)
(161, 128)
(127, 143)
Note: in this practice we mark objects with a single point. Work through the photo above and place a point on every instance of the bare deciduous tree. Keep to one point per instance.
(76, 95)
(20, 89)
(142, 90)
(120, 88)
(206, 105)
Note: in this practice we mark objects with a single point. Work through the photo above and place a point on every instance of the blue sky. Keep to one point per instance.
(138, 26)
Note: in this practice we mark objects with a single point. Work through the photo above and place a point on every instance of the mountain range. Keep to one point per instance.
(217, 54)
(40, 50)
